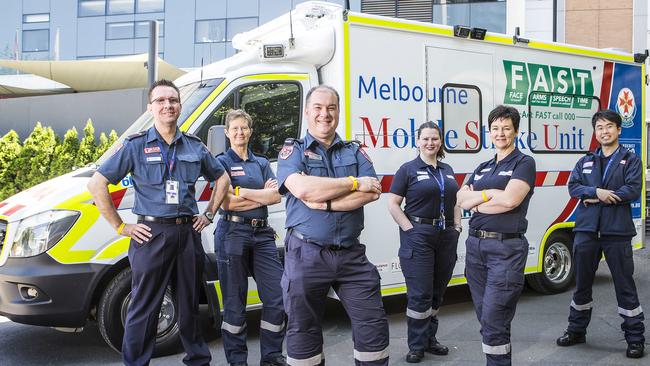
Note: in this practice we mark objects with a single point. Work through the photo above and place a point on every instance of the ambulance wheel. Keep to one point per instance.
(112, 309)
(557, 265)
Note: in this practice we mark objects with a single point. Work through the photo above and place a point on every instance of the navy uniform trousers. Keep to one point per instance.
(427, 257)
(310, 270)
(173, 254)
(587, 251)
(495, 274)
(242, 249)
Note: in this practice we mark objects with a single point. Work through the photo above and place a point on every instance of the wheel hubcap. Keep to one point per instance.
(557, 262)
(166, 317)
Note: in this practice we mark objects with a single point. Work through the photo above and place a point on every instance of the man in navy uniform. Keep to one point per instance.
(606, 181)
(327, 182)
(165, 242)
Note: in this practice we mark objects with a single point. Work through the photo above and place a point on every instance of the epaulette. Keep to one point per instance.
(195, 137)
(139, 134)
(353, 142)
(291, 141)
(359, 146)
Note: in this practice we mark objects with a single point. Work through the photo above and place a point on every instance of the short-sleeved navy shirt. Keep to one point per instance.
(341, 159)
(493, 175)
(142, 156)
(417, 182)
(250, 173)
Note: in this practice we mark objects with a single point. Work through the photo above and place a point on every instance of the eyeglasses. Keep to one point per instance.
(242, 129)
(161, 101)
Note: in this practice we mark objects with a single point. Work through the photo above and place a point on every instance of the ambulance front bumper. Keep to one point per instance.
(40, 291)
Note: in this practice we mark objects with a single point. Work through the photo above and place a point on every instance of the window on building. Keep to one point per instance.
(122, 30)
(88, 8)
(36, 40)
(150, 6)
(120, 7)
(210, 31)
(239, 25)
(36, 18)
(142, 29)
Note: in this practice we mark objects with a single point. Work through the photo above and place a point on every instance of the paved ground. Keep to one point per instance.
(539, 320)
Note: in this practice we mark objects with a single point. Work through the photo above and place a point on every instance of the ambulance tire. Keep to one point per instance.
(111, 313)
(558, 267)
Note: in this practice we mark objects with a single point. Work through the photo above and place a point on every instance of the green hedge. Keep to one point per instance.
(43, 155)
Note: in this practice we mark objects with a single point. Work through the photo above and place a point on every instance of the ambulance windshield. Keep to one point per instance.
(192, 95)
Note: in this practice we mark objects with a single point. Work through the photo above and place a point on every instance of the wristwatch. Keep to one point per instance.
(209, 215)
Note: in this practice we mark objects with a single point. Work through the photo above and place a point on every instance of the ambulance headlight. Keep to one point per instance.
(38, 233)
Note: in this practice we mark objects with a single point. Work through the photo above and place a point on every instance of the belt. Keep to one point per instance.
(482, 234)
(428, 221)
(166, 220)
(246, 220)
(300, 236)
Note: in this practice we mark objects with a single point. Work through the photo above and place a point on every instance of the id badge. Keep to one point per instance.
(171, 192)
(442, 221)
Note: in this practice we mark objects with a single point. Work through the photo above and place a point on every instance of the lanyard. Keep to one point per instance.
(441, 184)
(169, 164)
(609, 163)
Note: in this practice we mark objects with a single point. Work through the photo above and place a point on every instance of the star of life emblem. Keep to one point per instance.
(626, 107)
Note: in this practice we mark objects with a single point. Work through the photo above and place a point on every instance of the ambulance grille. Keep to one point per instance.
(3, 231)
(421, 10)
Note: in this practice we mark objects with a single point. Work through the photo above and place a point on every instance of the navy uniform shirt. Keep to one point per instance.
(142, 157)
(493, 175)
(417, 182)
(251, 173)
(341, 159)
(624, 177)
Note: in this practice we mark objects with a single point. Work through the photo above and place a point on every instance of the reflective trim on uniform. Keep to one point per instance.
(232, 329)
(503, 349)
(418, 315)
(434, 312)
(584, 307)
(311, 361)
(271, 327)
(630, 313)
(370, 356)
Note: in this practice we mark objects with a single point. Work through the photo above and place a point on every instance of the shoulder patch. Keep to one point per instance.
(287, 149)
(135, 135)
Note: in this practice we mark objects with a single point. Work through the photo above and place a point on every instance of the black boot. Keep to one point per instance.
(635, 350)
(414, 356)
(570, 339)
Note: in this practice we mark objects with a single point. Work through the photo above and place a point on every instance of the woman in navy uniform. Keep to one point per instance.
(429, 230)
(498, 192)
(245, 243)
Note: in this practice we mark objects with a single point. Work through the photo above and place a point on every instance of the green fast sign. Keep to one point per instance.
(562, 83)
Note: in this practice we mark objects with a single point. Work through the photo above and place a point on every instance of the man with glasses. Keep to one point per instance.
(165, 245)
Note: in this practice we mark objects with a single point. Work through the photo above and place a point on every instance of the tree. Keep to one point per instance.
(105, 143)
(35, 157)
(10, 149)
(65, 154)
(87, 147)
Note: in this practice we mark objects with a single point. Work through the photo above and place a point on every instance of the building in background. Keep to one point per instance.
(191, 32)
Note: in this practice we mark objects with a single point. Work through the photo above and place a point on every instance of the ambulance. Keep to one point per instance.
(62, 265)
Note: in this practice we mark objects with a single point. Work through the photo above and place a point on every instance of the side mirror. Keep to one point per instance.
(217, 140)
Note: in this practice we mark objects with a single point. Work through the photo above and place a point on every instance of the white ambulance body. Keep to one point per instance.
(62, 262)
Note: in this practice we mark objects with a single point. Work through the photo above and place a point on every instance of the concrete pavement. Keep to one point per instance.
(538, 322)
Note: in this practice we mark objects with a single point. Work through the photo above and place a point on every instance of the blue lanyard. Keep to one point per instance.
(609, 163)
(169, 164)
(441, 184)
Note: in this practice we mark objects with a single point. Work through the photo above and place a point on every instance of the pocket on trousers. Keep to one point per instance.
(404, 252)
(628, 251)
(514, 279)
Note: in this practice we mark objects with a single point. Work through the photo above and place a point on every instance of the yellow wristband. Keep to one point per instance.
(485, 197)
(120, 228)
(237, 191)
(355, 183)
